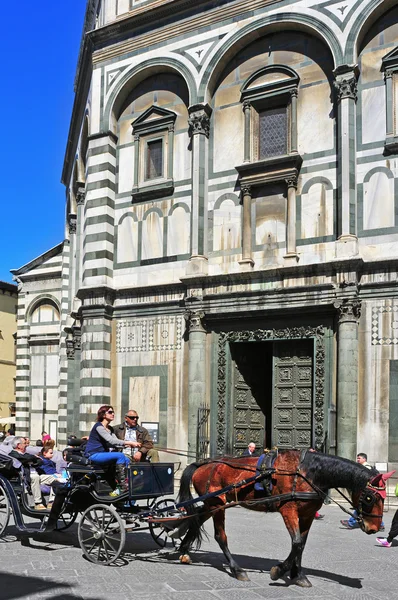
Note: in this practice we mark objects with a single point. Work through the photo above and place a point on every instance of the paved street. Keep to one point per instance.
(340, 564)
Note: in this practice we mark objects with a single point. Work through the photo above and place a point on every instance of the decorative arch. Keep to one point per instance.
(179, 205)
(366, 18)
(127, 238)
(152, 234)
(377, 183)
(178, 230)
(372, 172)
(257, 29)
(288, 71)
(138, 73)
(41, 300)
(228, 196)
(308, 184)
(317, 210)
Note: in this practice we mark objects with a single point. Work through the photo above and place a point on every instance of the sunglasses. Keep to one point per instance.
(128, 417)
(111, 412)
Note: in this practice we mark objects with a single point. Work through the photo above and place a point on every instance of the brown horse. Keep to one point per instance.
(300, 482)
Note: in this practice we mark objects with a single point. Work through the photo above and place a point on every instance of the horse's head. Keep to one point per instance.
(370, 503)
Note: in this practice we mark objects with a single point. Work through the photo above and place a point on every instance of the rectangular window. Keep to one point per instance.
(273, 132)
(154, 159)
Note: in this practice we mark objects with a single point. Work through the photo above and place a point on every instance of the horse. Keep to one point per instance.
(297, 484)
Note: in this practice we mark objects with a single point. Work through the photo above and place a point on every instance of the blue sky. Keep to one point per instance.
(39, 44)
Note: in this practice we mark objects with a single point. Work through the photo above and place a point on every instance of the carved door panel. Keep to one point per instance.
(248, 418)
(293, 392)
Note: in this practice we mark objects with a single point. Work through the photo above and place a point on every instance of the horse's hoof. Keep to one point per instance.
(241, 576)
(275, 573)
(185, 559)
(302, 582)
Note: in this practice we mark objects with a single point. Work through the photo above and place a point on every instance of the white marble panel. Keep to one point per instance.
(123, 6)
(378, 202)
(127, 240)
(37, 369)
(181, 158)
(315, 123)
(152, 236)
(178, 232)
(37, 399)
(228, 138)
(144, 393)
(270, 218)
(373, 114)
(126, 169)
(227, 226)
(51, 399)
(317, 212)
(52, 369)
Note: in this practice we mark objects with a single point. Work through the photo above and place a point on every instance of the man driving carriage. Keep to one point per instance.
(142, 447)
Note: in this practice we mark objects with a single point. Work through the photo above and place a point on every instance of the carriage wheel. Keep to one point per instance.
(163, 509)
(67, 517)
(5, 511)
(101, 534)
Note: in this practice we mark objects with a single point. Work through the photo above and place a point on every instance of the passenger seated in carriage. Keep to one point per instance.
(32, 479)
(100, 445)
(47, 471)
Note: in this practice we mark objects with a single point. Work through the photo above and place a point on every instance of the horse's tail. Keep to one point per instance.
(195, 530)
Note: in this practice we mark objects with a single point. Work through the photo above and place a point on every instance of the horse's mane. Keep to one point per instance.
(328, 471)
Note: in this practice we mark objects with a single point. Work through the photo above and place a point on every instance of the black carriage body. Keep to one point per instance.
(151, 480)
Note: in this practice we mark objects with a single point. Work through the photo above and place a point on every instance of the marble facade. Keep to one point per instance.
(160, 278)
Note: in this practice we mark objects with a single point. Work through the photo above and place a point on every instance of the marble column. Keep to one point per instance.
(247, 114)
(199, 131)
(345, 84)
(293, 116)
(291, 219)
(349, 312)
(196, 373)
(80, 197)
(246, 192)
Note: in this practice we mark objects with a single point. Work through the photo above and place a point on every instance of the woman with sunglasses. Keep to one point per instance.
(100, 443)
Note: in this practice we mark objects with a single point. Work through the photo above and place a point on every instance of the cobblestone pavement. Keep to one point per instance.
(340, 564)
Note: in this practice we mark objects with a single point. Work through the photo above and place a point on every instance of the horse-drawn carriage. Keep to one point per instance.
(291, 482)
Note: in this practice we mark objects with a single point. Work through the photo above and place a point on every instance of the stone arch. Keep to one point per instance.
(40, 300)
(227, 220)
(178, 230)
(230, 46)
(138, 73)
(378, 183)
(369, 14)
(317, 208)
(127, 238)
(152, 234)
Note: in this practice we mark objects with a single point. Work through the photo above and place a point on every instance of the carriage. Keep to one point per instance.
(294, 483)
(104, 519)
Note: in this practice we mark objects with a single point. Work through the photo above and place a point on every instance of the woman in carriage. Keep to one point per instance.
(100, 444)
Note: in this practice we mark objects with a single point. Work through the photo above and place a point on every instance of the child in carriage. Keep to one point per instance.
(47, 471)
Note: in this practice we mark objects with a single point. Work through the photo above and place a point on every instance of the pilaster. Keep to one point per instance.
(349, 312)
(291, 253)
(247, 261)
(346, 77)
(199, 130)
(196, 372)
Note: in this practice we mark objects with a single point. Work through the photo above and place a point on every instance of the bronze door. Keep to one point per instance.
(293, 391)
(248, 418)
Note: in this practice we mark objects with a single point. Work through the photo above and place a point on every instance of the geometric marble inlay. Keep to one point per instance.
(141, 335)
(385, 325)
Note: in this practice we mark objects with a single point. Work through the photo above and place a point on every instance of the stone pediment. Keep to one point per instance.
(390, 60)
(154, 117)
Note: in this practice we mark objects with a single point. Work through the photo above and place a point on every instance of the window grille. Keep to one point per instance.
(154, 162)
(273, 132)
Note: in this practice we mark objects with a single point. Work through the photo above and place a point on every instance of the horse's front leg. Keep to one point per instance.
(293, 561)
(221, 537)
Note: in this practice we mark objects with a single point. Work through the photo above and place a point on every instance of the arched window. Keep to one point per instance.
(45, 312)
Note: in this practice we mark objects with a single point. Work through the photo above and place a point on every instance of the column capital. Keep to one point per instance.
(294, 93)
(389, 73)
(348, 310)
(246, 189)
(199, 119)
(291, 182)
(246, 105)
(194, 321)
(72, 222)
(346, 82)
(80, 196)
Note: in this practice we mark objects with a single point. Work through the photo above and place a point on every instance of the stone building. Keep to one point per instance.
(8, 329)
(231, 236)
